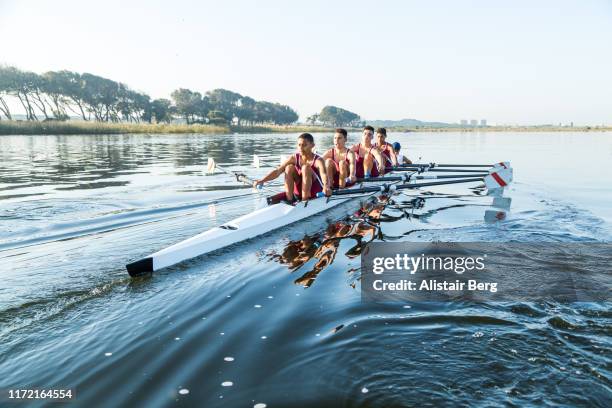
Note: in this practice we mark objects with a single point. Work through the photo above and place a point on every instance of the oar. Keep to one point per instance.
(388, 188)
(212, 166)
(410, 168)
(500, 165)
(258, 163)
(474, 173)
(408, 177)
(492, 181)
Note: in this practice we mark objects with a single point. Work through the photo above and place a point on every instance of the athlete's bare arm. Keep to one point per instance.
(380, 160)
(327, 154)
(320, 164)
(352, 168)
(276, 172)
(393, 157)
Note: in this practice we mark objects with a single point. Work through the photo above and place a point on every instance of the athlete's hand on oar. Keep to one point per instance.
(328, 191)
(257, 184)
(381, 170)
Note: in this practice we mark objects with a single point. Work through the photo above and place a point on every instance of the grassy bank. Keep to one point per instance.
(91, 128)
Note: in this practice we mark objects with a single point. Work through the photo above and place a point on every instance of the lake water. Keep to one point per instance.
(275, 320)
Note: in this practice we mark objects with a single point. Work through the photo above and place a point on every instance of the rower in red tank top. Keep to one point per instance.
(316, 186)
(361, 162)
(305, 174)
(368, 160)
(385, 149)
(340, 161)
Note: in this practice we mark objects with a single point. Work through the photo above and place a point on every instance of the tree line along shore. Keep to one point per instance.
(66, 102)
(63, 96)
(91, 128)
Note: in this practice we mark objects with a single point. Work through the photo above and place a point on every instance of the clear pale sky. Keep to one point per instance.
(513, 61)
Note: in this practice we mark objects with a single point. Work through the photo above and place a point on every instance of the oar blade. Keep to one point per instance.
(494, 215)
(256, 161)
(502, 165)
(502, 202)
(494, 169)
(210, 167)
(498, 179)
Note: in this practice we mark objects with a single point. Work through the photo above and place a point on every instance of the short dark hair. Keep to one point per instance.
(307, 136)
(342, 132)
(382, 131)
(368, 127)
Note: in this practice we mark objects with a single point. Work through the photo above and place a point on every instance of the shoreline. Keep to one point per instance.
(8, 128)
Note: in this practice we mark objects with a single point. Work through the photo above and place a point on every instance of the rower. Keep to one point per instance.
(340, 161)
(304, 171)
(401, 159)
(385, 149)
(368, 160)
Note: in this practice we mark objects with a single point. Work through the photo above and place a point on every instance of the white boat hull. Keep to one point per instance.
(241, 229)
(261, 222)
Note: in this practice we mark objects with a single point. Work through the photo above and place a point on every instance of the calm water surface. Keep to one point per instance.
(279, 320)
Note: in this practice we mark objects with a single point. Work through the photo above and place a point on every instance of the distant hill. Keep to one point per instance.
(407, 123)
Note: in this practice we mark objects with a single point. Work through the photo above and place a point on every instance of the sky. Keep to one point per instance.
(510, 62)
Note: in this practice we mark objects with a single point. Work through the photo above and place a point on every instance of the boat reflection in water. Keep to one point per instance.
(363, 227)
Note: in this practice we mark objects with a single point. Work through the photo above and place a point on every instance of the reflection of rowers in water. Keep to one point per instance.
(324, 248)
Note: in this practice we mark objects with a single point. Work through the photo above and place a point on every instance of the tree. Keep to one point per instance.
(262, 112)
(226, 102)
(38, 96)
(133, 106)
(19, 84)
(188, 104)
(312, 119)
(268, 112)
(101, 95)
(56, 93)
(216, 117)
(6, 87)
(246, 111)
(58, 96)
(203, 108)
(334, 116)
(284, 115)
(50, 93)
(160, 109)
(68, 88)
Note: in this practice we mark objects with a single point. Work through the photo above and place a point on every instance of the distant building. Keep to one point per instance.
(473, 122)
(464, 122)
(483, 122)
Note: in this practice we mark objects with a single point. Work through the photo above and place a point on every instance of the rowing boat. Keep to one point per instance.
(278, 215)
(248, 226)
